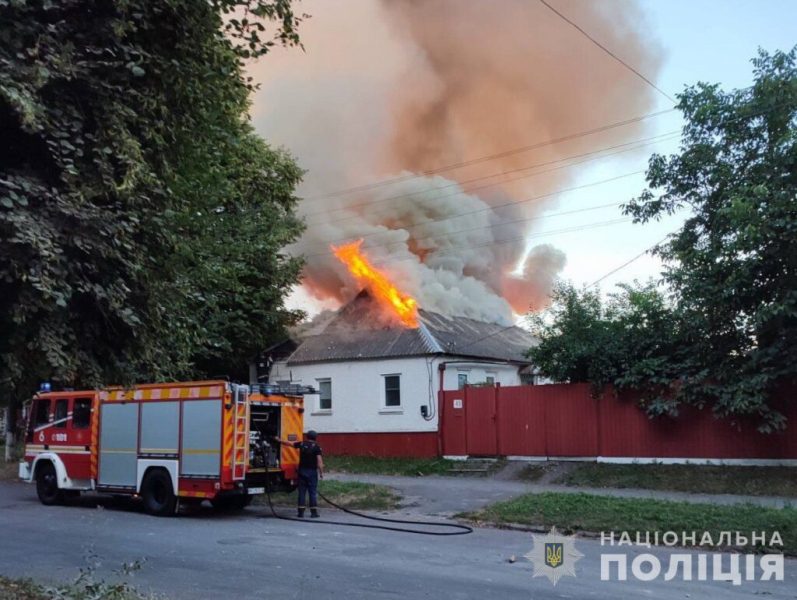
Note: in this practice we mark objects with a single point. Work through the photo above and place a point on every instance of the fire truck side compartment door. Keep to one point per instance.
(118, 444)
(160, 423)
(201, 448)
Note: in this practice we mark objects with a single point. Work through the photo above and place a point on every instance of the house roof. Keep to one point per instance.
(359, 332)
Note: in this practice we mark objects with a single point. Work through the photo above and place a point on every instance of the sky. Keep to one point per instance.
(702, 40)
(695, 40)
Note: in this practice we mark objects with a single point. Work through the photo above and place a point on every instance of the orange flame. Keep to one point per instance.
(387, 295)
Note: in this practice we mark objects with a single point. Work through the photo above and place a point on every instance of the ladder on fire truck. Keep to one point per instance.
(240, 436)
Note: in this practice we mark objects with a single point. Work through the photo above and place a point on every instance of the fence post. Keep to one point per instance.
(441, 407)
(465, 416)
(497, 419)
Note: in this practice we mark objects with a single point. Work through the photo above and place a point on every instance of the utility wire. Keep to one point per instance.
(500, 242)
(504, 154)
(628, 262)
(594, 283)
(498, 206)
(419, 175)
(626, 147)
(469, 229)
(609, 52)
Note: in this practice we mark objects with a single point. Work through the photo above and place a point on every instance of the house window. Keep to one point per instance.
(81, 413)
(392, 391)
(324, 394)
(462, 380)
(61, 413)
(490, 380)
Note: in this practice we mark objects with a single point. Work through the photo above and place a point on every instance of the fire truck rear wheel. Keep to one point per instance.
(158, 494)
(47, 485)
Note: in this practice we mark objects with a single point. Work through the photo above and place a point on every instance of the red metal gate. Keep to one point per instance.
(550, 420)
(480, 421)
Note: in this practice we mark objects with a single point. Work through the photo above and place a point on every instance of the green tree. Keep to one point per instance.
(628, 339)
(732, 267)
(106, 111)
(232, 276)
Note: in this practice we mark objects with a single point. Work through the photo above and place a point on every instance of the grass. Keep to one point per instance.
(708, 479)
(21, 589)
(389, 466)
(351, 494)
(83, 588)
(585, 512)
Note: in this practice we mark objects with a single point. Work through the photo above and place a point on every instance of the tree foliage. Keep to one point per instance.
(140, 216)
(627, 339)
(729, 340)
(733, 266)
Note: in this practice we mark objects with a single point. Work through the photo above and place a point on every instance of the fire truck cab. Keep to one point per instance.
(167, 443)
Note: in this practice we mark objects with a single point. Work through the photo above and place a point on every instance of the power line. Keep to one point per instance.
(610, 53)
(646, 140)
(627, 147)
(596, 282)
(474, 161)
(554, 141)
(499, 206)
(469, 229)
(628, 262)
(501, 242)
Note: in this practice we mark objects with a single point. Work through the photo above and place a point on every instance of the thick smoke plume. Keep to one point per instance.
(397, 88)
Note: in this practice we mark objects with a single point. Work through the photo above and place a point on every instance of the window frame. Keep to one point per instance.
(320, 408)
(460, 383)
(61, 402)
(75, 423)
(36, 411)
(391, 408)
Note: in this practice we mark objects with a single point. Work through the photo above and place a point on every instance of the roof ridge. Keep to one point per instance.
(429, 338)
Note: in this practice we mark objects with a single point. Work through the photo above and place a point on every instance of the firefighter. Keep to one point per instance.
(311, 467)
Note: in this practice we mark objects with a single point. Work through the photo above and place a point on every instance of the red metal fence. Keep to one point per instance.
(564, 420)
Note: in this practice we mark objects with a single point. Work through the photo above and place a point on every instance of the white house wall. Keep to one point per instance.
(358, 396)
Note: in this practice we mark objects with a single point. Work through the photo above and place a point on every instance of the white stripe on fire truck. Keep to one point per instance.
(59, 451)
(53, 424)
(53, 447)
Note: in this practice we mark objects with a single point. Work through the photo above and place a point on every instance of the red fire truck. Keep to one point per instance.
(167, 443)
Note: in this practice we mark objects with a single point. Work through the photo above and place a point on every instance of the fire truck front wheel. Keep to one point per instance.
(47, 484)
(158, 494)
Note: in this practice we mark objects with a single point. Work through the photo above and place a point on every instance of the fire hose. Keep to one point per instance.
(458, 529)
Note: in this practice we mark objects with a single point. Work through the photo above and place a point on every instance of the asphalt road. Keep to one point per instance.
(205, 555)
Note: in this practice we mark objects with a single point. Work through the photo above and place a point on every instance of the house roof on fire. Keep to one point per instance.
(358, 331)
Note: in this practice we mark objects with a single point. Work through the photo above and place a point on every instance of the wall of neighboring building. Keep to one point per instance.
(279, 372)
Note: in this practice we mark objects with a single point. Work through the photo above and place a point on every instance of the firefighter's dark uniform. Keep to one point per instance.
(309, 451)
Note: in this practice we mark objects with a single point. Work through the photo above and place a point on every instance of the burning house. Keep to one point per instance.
(442, 155)
(380, 361)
